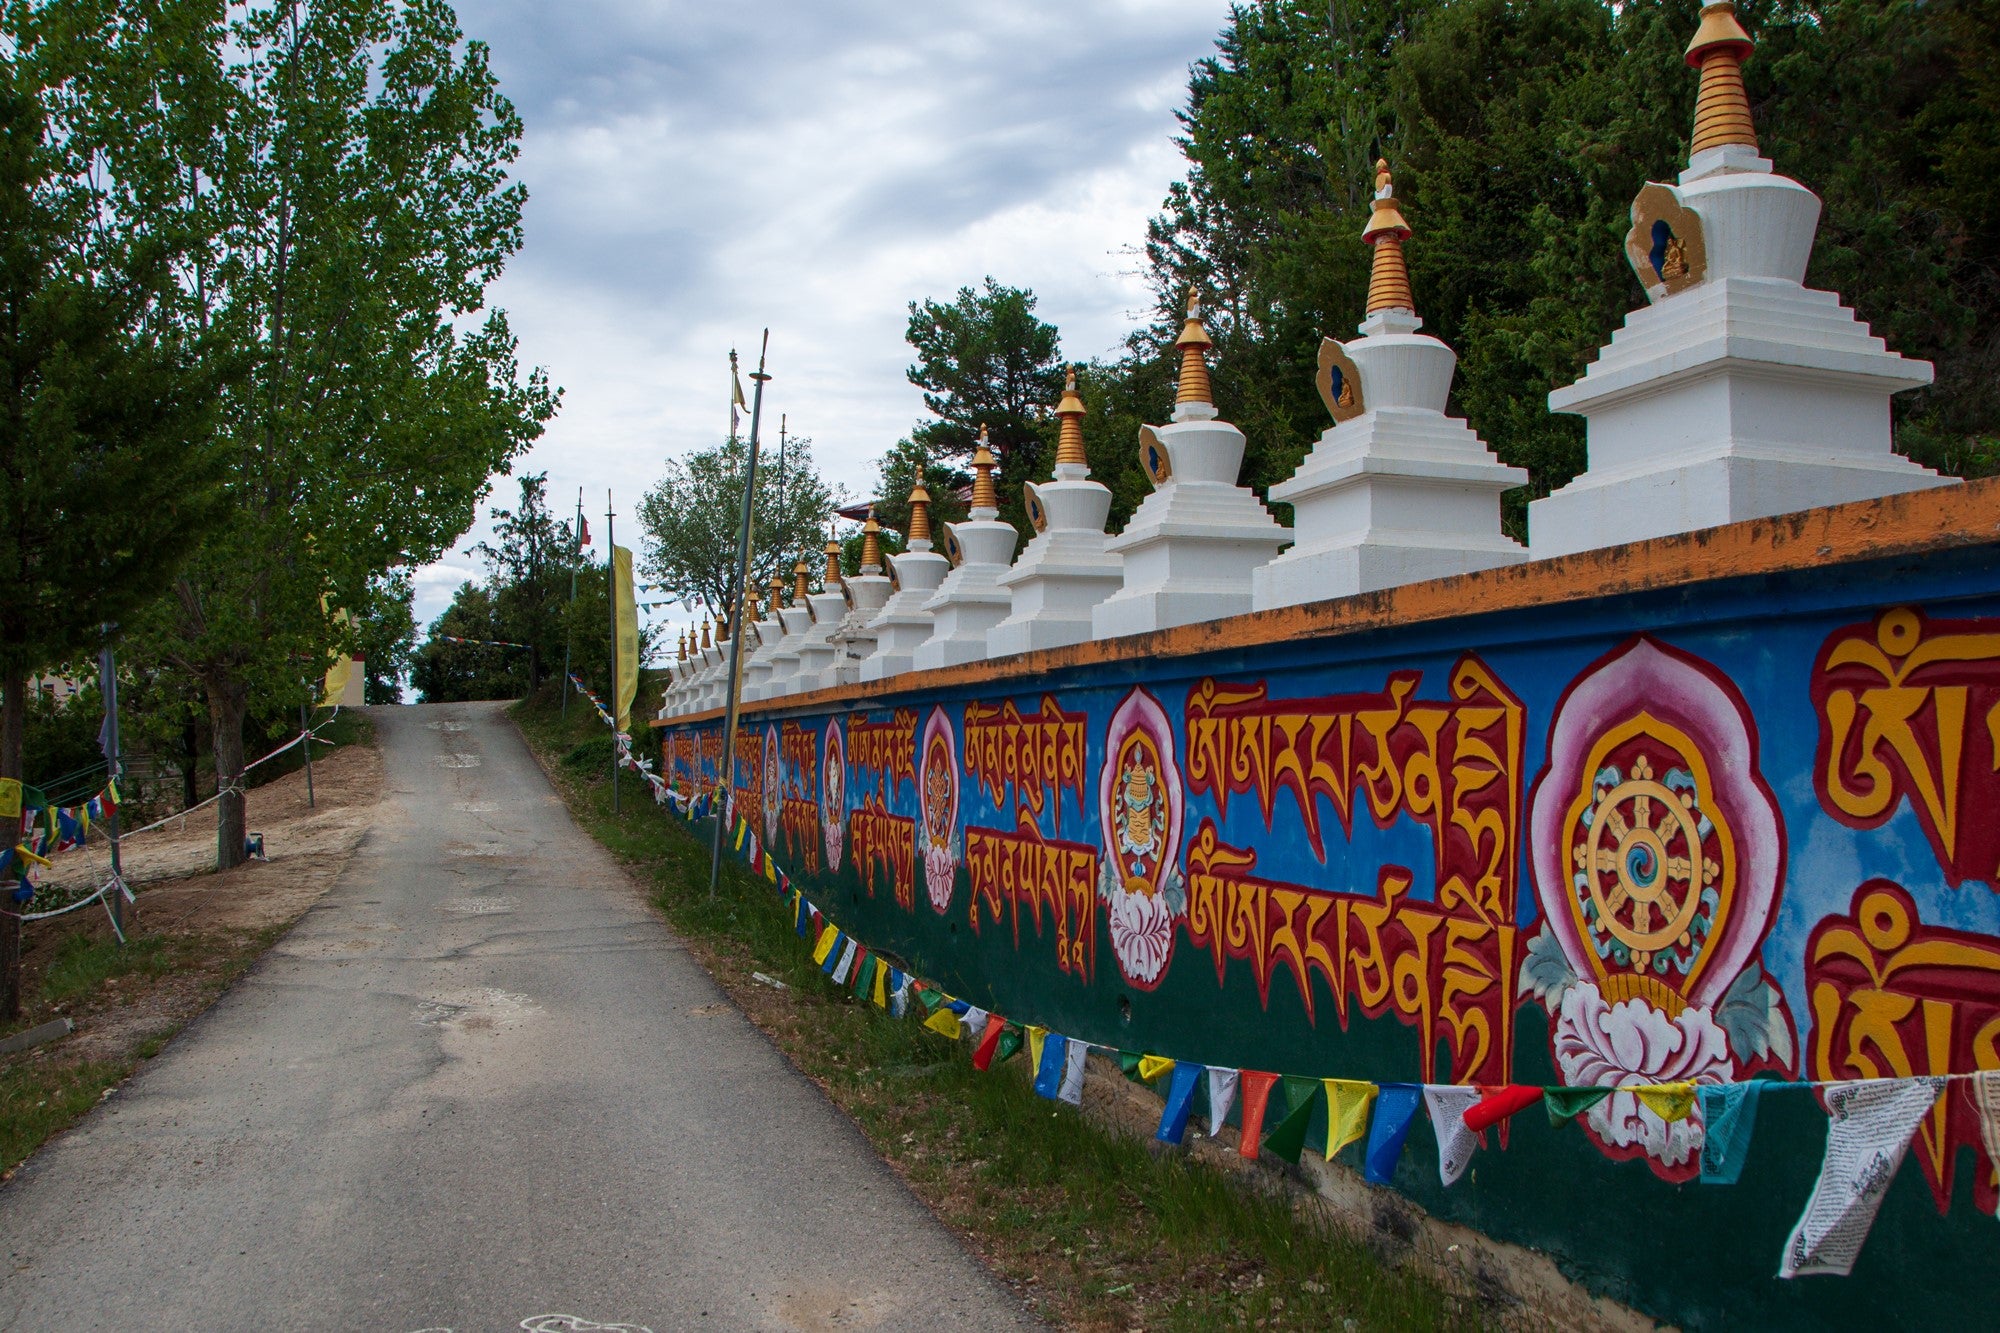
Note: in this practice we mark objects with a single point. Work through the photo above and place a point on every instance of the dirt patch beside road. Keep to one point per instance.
(197, 931)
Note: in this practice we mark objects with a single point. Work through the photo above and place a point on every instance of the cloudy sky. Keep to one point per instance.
(700, 171)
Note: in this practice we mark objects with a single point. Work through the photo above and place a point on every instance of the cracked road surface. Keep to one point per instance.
(478, 1087)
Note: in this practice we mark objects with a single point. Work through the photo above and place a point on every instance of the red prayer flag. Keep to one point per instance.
(1498, 1103)
(1253, 1095)
(583, 537)
(989, 1042)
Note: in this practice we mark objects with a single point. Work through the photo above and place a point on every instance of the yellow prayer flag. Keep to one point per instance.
(1347, 1102)
(825, 945)
(21, 850)
(770, 870)
(882, 987)
(1152, 1066)
(1035, 1038)
(1669, 1101)
(945, 1022)
(625, 616)
(10, 798)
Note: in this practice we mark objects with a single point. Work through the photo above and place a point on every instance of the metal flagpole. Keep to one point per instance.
(736, 616)
(576, 532)
(611, 600)
(107, 685)
(780, 514)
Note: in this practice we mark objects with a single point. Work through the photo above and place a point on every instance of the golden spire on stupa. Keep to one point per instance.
(682, 651)
(750, 604)
(1194, 343)
(704, 633)
(984, 494)
(1721, 109)
(920, 511)
(871, 543)
(800, 572)
(1388, 274)
(777, 587)
(832, 552)
(1069, 445)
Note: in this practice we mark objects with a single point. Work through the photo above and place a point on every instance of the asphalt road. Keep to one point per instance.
(477, 1086)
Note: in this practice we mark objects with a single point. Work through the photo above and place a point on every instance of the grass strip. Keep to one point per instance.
(1096, 1229)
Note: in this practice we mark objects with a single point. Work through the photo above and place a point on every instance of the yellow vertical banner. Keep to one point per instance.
(626, 616)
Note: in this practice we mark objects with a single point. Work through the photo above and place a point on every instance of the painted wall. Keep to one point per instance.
(1720, 828)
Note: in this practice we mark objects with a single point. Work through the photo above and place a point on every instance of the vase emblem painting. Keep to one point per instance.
(1658, 856)
(833, 796)
(937, 800)
(1140, 805)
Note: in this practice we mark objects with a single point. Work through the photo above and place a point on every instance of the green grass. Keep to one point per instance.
(1101, 1228)
(82, 964)
(37, 1100)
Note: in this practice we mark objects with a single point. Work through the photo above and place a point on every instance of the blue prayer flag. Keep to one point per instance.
(1395, 1111)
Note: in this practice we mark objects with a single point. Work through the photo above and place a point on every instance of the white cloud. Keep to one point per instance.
(698, 172)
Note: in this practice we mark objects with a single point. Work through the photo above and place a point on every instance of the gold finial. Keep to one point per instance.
(920, 513)
(1069, 446)
(832, 552)
(704, 634)
(871, 543)
(777, 592)
(1721, 109)
(1194, 343)
(800, 571)
(750, 604)
(1388, 274)
(984, 494)
(682, 650)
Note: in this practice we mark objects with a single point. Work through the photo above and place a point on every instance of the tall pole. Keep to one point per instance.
(780, 515)
(305, 729)
(736, 615)
(611, 600)
(577, 533)
(107, 685)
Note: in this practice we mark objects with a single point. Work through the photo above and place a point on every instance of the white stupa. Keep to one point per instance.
(903, 623)
(770, 633)
(676, 678)
(1738, 392)
(784, 661)
(1065, 570)
(1395, 491)
(829, 607)
(971, 601)
(1193, 544)
(867, 592)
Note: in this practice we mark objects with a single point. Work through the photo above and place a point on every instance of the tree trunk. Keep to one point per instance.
(228, 701)
(13, 731)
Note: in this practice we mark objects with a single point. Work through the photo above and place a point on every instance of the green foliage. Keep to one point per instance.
(693, 520)
(445, 672)
(107, 467)
(985, 360)
(529, 573)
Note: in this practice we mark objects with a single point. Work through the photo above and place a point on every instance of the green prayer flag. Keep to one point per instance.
(864, 976)
(1010, 1043)
(1288, 1140)
(930, 999)
(1566, 1104)
(1128, 1061)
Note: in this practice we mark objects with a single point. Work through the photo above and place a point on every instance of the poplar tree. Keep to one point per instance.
(107, 469)
(361, 205)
